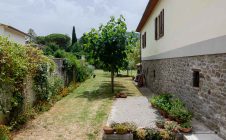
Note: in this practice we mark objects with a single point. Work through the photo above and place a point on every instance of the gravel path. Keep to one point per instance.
(133, 109)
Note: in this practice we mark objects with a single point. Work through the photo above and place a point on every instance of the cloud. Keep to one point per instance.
(58, 16)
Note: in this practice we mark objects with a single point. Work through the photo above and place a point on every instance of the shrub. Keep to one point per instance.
(186, 125)
(153, 134)
(42, 106)
(165, 135)
(120, 128)
(4, 133)
(160, 123)
(174, 107)
(123, 128)
(141, 134)
(22, 119)
(171, 126)
(17, 63)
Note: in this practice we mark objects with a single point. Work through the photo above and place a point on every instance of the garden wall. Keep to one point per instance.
(208, 101)
(60, 71)
(28, 92)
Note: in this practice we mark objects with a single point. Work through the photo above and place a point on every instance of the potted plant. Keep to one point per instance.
(160, 123)
(186, 127)
(120, 128)
(171, 126)
(121, 95)
(108, 130)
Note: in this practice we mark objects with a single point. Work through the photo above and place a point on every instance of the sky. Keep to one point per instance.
(59, 16)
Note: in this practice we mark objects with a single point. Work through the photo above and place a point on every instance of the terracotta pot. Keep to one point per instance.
(178, 120)
(170, 118)
(121, 95)
(185, 130)
(163, 113)
(108, 130)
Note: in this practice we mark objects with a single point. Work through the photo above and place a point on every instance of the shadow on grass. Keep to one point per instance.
(104, 92)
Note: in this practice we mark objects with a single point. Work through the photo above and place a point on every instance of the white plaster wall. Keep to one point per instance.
(186, 22)
(15, 36)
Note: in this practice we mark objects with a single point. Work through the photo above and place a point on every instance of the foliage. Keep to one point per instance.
(171, 126)
(109, 45)
(71, 63)
(134, 56)
(186, 125)
(179, 111)
(141, 134)
(4, 133)
(42, 106)
(174, 107)
(123, 128)
(153, 134)
(90, 43)
(46, 85)
(22, 119)
(165, 135)
(32, 36)
(50, 49)
(63, 41)
(160, 123)
(16, 63)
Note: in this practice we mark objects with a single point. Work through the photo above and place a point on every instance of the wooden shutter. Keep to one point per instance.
(156, 30)
(163, 22)
(145, 40)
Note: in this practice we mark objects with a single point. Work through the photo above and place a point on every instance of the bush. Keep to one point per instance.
(153, 134)
(141, 134)
(17, 63)
(123, 128)
(4, 133)
(174, 107)
(45, 84)
(171, 126)
(22, 119)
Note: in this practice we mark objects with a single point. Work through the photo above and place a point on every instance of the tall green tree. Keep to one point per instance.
(74, 38)
(113, 46)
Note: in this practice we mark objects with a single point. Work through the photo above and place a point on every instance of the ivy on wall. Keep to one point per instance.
(16, 63)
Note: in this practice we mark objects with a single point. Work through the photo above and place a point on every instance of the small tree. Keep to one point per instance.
(32, 36)
(74, 38)
(112, 46)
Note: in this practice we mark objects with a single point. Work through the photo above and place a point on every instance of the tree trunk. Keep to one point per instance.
(112, 81)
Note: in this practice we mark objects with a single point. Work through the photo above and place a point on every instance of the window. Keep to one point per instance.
(154, 73)
(159, 26)
(144, 40)
(196, 78)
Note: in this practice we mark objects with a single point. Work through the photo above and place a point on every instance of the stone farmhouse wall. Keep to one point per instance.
(208, 101)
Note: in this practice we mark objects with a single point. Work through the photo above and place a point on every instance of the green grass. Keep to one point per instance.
(83, 113)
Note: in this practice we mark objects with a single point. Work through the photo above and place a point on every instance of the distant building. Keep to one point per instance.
(13, 34)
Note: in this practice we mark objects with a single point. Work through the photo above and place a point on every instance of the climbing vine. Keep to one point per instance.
(17, 62)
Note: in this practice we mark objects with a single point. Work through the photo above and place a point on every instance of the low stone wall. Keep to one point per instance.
(208, 101)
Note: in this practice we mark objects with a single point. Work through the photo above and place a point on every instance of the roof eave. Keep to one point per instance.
(147, 13)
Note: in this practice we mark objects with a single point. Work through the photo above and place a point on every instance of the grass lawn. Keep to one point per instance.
(80, 115)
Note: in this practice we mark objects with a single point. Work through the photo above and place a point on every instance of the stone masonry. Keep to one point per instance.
(175, 75)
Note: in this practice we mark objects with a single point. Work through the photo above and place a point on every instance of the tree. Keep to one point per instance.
(32, 35)
(112, 46)
(74, 38)
(61, 40)
(90, 43)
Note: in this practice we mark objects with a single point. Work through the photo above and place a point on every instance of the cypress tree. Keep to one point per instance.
(74, 38)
